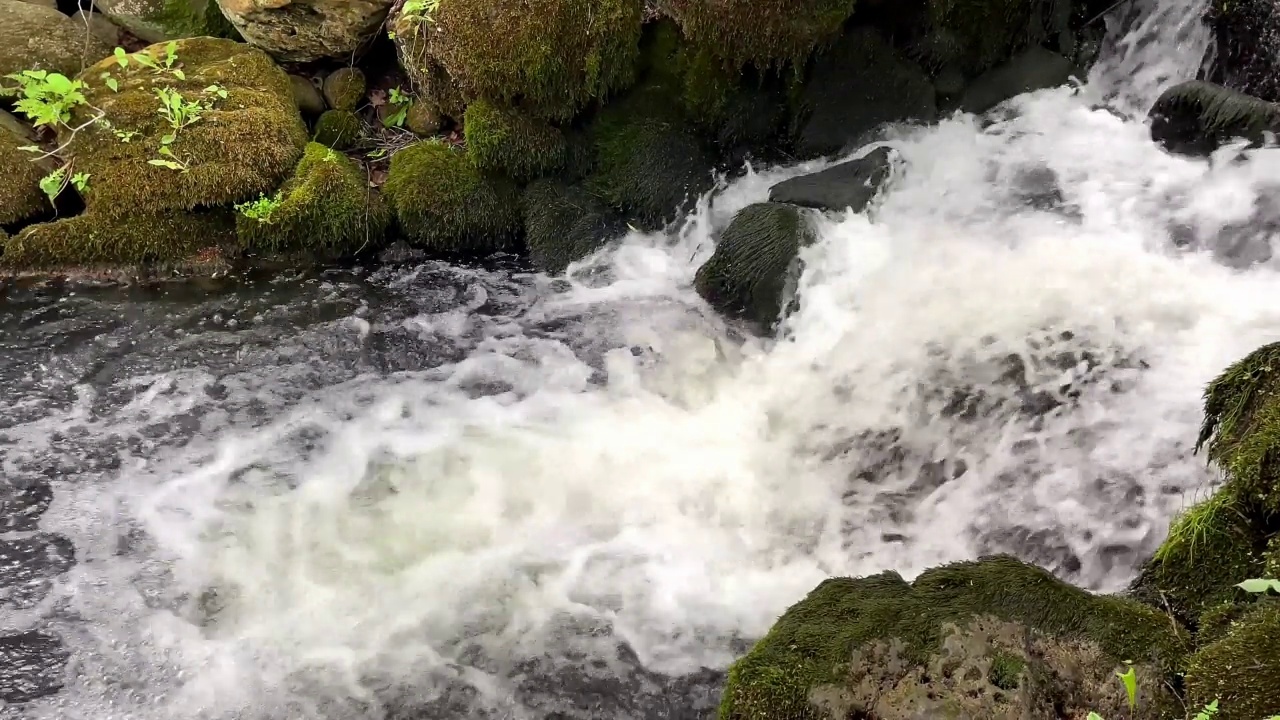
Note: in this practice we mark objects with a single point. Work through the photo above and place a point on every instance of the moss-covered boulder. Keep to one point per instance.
(33, 37)
(326, 210)
(1240, 670)
(755, 262)
(857, 86)
(423, 119)
(551, 58)
(995, 639)
(344, 88)
(1196, 117)
(307, 30)
(158, 20)
(1247, 57)
(339, 129)
(564, 224)
(240, 135)
(503, 139)
(976, 35)
(445, 204)
(165, 239)
(20, 194)
(763, 32)
(1241, 428)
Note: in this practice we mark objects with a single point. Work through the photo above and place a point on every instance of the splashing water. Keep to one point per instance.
(481, 493)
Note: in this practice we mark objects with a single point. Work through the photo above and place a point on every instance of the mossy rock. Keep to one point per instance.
(1247, 54)
(551, 58)
(976, 35)
(1197, 117)
(326, 210)
(995, 638)
(857, 86)
(33, 37)
(503, 139)
(1210, 547)
(564, 224)
(445, 204)
(755, 262)
(338, 129)
(1241, 428)
(423, 119)
(344, 88)
(93, 239)
(763, 32)
(159, 20)
(1240, 670)
(20, 194)
(242, 145)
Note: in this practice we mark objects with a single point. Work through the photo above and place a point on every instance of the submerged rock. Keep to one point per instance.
(564, 224)
(158, 20)
(307, 30)
(858, 85)
(1247, 57)
(995, 638)
(34, 37)
(850, 185)
(754, 262)
(1033, 69)
(1196, 117)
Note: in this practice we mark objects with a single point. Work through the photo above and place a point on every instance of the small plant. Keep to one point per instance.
(400, 103)
(1130, 680)
(1260, 585)
(421, 10)
(110, 81)
(167, 159)
(46, 98)
(177, 110)
(55, 182)
(261, 209)
(1208, 711)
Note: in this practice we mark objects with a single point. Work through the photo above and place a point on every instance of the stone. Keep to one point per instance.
(850, 185)
(159, 20)
(1032, 69)
(1196, 117)
(101, 27)
(423, 119)
(564, 224)
(344, 88)
(307, 30)
(306, 95)
(34, 37)
(20, 194)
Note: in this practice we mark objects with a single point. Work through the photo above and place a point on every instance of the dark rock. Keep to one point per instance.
(754, 260)
(857, 86)
(1033, 69)
(1196, 117)
(564, 224)
(1247, 34)
(31, 665)
(849, 185)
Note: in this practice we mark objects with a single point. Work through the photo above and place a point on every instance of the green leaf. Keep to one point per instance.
(80, 181)
(59, 83)
(168, 139)
(1094, 716)
(167, 164)
(1259, 585)
(164, 150)
(111, 83)
(146, 61)
(122, 57)
(30, 148)
(179, 74)
(53, 183)
(1130, 680)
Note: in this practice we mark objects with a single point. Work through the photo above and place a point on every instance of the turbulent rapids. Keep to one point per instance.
(444, 491)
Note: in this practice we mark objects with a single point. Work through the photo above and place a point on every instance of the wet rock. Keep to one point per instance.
(1033, 69)
(1196, 117)
(31, 665)
(857, 86)
(33, 37)
(159, 20)
(564, 224)
(28, 563)
(307, 30)
(1247, 57)
(851, 185)
(22, 504)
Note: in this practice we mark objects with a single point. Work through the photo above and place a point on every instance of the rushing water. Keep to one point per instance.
(446, 492)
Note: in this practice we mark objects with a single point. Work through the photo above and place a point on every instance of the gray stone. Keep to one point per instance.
(307, 30)
(306, 95)
(850, 185)
(1032, 69)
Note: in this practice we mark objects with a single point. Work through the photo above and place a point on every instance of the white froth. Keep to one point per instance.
(705, 484)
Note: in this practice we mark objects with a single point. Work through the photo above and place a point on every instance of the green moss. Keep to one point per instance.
(763, 32)
(502, 139)
(338, 129)
(549, 57)
(423, 119)
(326, 209)
(444, 203)
(344, 88)
(1006, 671)
(813, 643)
(1210, 548)
(564, 224)
(246, 144)
(1241, 428)
(93, 239)
(1241, 670)
(20, 194)
(159, 20)
(748, 274)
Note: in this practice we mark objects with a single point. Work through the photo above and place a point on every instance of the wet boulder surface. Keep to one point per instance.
(849, 185)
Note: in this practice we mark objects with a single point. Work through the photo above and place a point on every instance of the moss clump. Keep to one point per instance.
(1241, 428)
(1006, 670)
(423, 119)
(1210, 548)
(1197, 117)
(241, 145)
(748, 274)
(327, 209)
(20, 194)
(878, 647)
(344, 88)
(551, 58)
(764, 32)
(95, 239)
(502, 139)
(1241, 670)
(159, 20)
(564, 224)
(339, 129)
(444, 203)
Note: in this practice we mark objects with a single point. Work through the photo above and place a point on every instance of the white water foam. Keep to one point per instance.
(387, 526)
